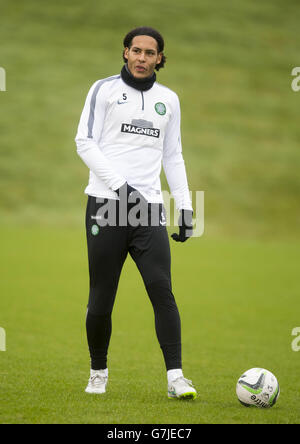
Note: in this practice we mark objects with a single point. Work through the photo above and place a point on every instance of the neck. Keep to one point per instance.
(140, 84)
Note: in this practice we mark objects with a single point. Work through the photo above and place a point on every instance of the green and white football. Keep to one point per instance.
(257, 387)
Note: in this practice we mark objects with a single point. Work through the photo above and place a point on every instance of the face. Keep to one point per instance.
(142, 56)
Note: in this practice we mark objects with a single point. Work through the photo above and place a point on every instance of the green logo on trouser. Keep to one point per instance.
(95, 230)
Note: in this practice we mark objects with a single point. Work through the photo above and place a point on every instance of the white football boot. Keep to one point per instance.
(181, 388)
(97, 382)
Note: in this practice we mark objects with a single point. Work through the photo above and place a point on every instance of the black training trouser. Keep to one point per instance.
(108, 247)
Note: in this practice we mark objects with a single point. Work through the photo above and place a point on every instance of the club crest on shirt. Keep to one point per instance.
(160, 108)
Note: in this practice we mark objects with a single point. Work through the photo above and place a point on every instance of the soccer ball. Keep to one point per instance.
(258, 387)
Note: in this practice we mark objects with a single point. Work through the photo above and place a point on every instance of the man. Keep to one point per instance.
(129, 127)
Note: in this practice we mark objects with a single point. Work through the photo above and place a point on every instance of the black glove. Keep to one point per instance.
(126, 190)
(185, 223)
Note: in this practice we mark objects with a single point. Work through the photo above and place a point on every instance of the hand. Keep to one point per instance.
(125, 190)
(185, 223)
(132, 195)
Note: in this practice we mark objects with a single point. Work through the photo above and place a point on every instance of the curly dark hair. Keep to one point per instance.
(146, 30)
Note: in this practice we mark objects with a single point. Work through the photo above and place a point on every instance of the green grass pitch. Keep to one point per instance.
(239, 302)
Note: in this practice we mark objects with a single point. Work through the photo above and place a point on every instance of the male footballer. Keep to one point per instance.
(128, 130)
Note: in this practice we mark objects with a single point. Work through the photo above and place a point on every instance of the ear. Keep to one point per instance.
(125, 53)
(159, 58)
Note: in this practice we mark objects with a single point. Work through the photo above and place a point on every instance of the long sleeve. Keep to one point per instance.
(173, 162)
(88, 137)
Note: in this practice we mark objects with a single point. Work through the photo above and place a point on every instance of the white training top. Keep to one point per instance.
(126, 135)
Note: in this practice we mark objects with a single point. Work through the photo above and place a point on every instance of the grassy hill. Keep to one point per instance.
(229, 62)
